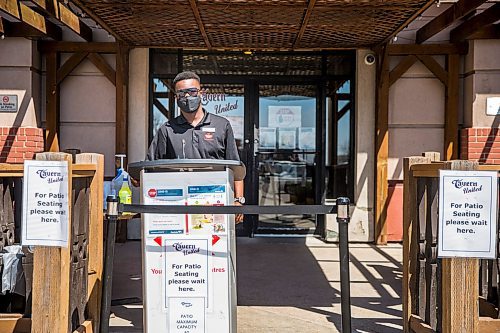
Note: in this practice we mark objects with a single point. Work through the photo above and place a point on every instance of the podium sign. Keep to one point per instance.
(468, 204)
(189, 274)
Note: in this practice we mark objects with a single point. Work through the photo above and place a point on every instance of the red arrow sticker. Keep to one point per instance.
(158, 240)
(215, 239)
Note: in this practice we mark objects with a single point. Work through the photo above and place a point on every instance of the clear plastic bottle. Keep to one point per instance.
(125, 193)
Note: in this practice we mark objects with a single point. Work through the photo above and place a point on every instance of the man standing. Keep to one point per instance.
(196, 133)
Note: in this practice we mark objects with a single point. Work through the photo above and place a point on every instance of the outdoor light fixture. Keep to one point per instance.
(2, 36)
(248, 52)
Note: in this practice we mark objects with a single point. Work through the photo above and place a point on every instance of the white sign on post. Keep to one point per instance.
(468, 204)
(45, 203)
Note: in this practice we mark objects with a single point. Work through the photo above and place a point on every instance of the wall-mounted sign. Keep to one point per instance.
(8, 103)
(468, 204)
(492, 106)
(45, 203)
(285, 116)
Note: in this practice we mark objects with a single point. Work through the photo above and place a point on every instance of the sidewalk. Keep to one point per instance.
(287, 285)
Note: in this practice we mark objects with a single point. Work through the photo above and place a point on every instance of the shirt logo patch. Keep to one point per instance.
(208, 129)
(209, 136)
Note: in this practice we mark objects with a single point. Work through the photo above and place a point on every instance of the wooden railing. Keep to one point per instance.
(442, 295)
(63, 285)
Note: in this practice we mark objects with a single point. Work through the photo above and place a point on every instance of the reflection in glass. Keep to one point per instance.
(226, 100)
(287, 145)
(161, 103)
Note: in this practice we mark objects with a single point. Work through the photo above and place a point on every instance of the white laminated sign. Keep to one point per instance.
(45, 203)
(468, 204)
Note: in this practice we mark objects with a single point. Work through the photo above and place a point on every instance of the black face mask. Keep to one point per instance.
(189, 104)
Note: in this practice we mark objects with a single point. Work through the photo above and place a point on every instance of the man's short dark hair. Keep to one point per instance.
(185, 76)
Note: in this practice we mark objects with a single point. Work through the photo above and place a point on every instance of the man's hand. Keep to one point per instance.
(135, 182)
(238, 217)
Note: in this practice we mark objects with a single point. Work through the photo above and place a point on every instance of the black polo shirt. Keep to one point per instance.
(212, 138)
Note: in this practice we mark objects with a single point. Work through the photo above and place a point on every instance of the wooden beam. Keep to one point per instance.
(70, 65)
(197, 17)
(72, 47)
(52, 103)
(21, 29)
(466, 29)
(401, 68)
(434, 67)
(427, 49)
(410, 237)
(14, 323)
(459, 284)
(95, 237)
(382, 150)
(103, 66)
(489, 32)
(35, 25)
(39, 22)
(305, 21)
(409, 20)
(84, 7)
(451, 108)
(121, 138)
(161, 108)
(57, 10)
(10, 8)
(446, 18)
(51, 273)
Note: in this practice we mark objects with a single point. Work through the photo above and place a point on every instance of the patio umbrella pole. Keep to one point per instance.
(345, 292)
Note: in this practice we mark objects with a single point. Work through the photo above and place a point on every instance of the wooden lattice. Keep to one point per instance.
(253, 24)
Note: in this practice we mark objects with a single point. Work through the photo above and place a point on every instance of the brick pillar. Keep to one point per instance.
(481, 144)
(20, 143)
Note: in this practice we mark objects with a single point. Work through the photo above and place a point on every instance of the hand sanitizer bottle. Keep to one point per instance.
(125, 193)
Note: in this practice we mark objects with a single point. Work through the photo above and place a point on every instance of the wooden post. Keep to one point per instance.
(95, 237)
(451, 109)
(382, 151)
(51, 278)
(460, 281)
(410, 243)
(121, 99)
(52, 103)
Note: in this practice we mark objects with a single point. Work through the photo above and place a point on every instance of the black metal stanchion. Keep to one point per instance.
(112, 217)
(345, 291)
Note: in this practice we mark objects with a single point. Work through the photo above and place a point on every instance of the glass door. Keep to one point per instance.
(285, 152)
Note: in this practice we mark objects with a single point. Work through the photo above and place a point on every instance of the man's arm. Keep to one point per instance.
(238, 188)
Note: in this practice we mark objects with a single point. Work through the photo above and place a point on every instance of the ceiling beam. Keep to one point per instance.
(427, 49)
(197, 17)
(305, 21)
(71, 47)
(63, 14)
(455, 12)
(10, 8)
(477, 22)
(489, 32)
(21, 29)
(409, 20)
(27, 22)
(82, 5)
